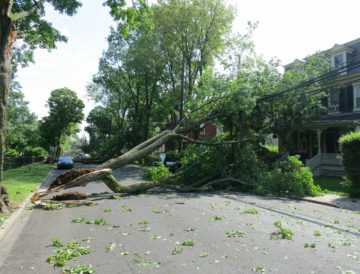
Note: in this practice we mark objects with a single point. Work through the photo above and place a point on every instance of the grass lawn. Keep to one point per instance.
(335, 185)
(21, 181)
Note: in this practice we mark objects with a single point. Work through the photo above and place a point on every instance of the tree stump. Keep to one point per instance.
(4, 200)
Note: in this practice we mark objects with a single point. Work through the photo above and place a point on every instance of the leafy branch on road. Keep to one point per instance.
(71, 250)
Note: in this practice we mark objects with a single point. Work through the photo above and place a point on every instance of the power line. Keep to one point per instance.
(333, 73)
(313, 91)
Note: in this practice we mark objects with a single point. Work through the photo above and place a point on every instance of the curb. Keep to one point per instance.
(14, 216)
(315, 202)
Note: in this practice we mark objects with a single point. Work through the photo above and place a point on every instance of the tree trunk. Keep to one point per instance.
(181, 109)
(4, 200)
(5, 80)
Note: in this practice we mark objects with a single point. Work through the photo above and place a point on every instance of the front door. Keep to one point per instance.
(331, 140)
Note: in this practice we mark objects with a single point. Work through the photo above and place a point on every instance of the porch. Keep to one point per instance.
(326, 164)
(319, 148)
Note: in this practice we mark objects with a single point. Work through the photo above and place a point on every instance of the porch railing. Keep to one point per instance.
(314, 162)
(326, 164)
(330, 159)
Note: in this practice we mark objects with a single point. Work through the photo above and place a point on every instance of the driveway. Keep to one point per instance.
(169, 232)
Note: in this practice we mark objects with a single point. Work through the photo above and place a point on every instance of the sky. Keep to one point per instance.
(287, 30)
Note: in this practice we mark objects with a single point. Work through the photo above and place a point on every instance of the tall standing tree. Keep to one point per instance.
(22, 125)
(191, 34)
(65, 112)
(23, 20)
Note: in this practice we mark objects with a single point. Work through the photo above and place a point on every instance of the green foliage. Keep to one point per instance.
(237, 161)
(20, 182)
(22, 133)
(139, 79)
(79, 269)
(34, 151)
(317, 233)
(313, 245)
(65, 112)
(269, 155)
(56, 242)
(177, 250)
(72, 250)
(272, 148)
(106, 137)
(350, 147)
(283, 232)
(297, 108)
(188, 243)
(99, 222)
(157, 172)
(235, 234)
(291, 179)
(334, 185)
(35, 30)
(250, 211)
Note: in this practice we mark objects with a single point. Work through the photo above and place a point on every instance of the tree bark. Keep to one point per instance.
(4, 200)
(6, 28)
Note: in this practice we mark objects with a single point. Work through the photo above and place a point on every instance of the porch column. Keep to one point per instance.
(318, 132)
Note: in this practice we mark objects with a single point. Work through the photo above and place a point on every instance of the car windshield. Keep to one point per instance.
(65, 159)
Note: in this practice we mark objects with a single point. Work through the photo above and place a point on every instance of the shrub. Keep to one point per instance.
(11, 152)
(350, 155)
(268, 155)
(35, 151)
(157, 172)
(272, 148)
(291, 179)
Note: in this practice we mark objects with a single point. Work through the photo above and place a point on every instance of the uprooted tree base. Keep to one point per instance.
(69, 176)
(76, 178)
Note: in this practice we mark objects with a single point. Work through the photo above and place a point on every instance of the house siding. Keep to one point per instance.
(354, 56)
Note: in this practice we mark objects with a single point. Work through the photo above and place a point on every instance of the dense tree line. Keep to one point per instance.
(23, 136)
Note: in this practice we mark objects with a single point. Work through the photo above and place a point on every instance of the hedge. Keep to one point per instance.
(350, 155)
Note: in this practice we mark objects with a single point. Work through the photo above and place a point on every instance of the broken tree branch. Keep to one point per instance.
(26, 13)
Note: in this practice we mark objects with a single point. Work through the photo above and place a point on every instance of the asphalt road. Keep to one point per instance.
(145, 230)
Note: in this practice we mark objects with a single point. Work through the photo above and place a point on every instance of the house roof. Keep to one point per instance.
(339, 119)
(338, 48)
(346, 46)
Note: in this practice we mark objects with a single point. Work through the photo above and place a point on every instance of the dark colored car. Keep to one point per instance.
(172, 165)
(65, 162)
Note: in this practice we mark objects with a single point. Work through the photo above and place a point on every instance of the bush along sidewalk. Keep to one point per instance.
(20, 182)
(350, 157)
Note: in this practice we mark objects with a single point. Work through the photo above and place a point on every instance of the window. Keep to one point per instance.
(340, 56)
(202, 129)
(338, 60)
(334, 101)
(357, 96)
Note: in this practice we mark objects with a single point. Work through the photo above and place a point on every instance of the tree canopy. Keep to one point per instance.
(65, 112)
(22, 126)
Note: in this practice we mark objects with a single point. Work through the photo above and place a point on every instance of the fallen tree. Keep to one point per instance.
(103, 172)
